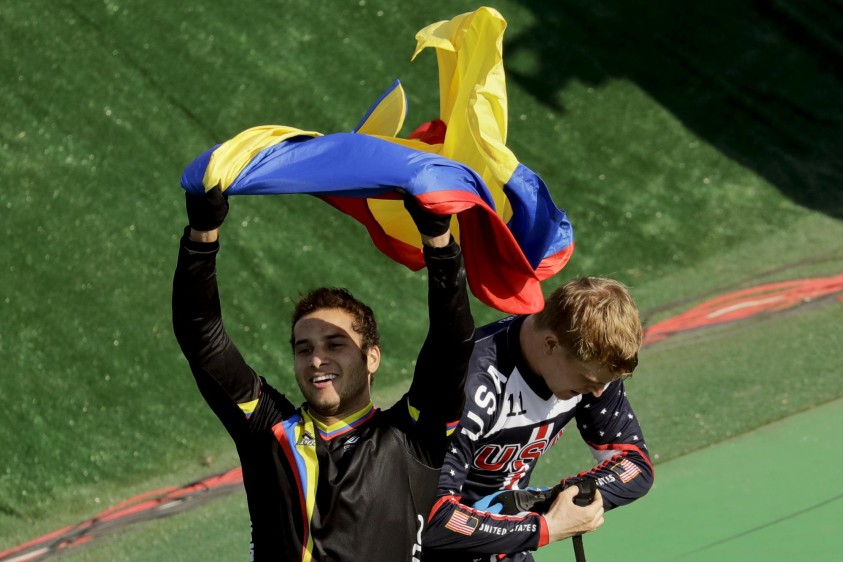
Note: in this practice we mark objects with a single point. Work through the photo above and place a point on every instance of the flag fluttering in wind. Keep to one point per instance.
(512, 234)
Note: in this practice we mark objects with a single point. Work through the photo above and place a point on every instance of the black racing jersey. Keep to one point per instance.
(510, 419)
(359, 489)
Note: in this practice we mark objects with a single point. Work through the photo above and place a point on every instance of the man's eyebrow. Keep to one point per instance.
(331, 336)
(340, 334)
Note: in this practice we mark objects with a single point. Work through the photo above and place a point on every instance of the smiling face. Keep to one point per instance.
(332, 370)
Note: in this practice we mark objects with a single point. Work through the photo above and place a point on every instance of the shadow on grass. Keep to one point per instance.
(762, 81)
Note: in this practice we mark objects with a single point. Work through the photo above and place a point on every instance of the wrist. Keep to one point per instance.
(205, 236)
(439, 241)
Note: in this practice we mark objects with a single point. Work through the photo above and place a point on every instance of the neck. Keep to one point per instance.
(329, 423)
(531, 342)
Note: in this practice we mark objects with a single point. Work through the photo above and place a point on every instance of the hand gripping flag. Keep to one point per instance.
(512, 234)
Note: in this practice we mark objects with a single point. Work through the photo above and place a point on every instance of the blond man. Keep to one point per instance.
(529, 376)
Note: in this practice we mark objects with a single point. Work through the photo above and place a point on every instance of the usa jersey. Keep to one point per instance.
(510, 419)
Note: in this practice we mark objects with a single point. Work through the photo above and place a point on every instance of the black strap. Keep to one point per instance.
(579, 552)
(587, 488)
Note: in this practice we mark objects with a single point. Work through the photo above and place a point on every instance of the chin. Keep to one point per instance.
(324, 408)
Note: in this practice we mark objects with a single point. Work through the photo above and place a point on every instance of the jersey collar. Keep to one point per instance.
(350, 423)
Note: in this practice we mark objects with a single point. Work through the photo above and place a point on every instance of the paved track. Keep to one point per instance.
(775, 494)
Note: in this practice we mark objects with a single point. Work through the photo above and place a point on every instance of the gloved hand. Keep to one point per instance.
(428, 223)
(206, 212)
(491, 503)
(513, 502)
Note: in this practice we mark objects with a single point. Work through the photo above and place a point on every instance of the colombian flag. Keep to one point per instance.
(512, 234)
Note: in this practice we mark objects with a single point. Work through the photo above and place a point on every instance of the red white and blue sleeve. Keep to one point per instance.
(609, 426)
(453, 524)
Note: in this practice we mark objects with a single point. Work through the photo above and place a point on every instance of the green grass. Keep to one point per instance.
(669, 187)
(217, 531)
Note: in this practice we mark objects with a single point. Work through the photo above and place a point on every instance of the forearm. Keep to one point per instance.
(623, 478)
(454, 526)
(448, 304)
(624, 472)
(198, 326)
(197, 317)
(443, 360)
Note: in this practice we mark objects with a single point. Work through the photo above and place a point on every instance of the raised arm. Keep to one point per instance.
(227, 383)
(437, 390)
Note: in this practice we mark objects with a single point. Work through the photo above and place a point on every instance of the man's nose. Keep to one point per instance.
(318, 359)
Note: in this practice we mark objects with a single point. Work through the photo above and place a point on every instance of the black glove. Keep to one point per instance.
(513, 502)
(428, 223)
(206, 212)
(539, 500)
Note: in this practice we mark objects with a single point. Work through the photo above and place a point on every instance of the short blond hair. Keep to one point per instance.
(597, 321)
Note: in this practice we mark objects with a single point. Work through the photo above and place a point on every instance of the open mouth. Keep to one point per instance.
(321, 381)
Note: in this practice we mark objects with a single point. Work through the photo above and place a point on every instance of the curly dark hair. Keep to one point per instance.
(332, 297)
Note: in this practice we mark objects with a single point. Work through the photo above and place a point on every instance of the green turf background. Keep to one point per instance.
(695, 146)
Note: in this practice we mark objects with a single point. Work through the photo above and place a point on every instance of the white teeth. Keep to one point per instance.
(323, 378)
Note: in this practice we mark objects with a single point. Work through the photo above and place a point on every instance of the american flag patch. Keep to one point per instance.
(462, 523)
(626, 470)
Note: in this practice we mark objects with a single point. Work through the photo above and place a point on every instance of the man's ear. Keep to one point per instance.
(550, 344)
(373, 359)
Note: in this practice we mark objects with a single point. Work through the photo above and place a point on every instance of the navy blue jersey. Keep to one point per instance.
(510, 419)
(361, 488)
